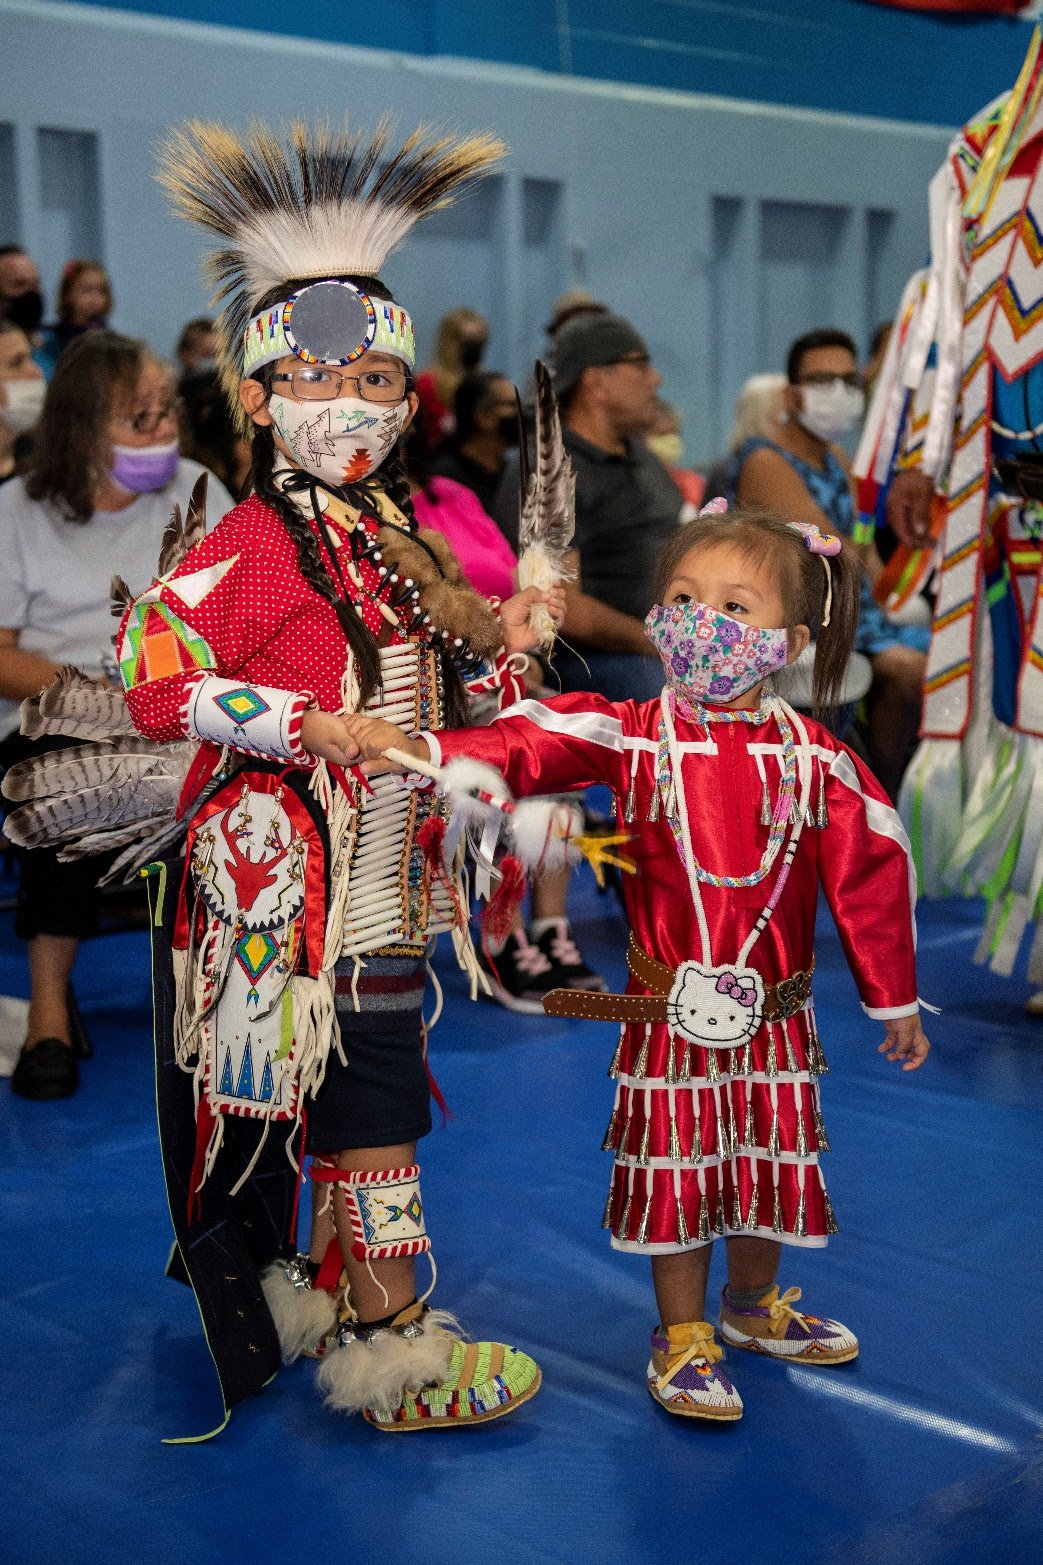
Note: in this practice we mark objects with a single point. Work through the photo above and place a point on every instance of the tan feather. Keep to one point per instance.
(548, 512)
(120, 597)
(76, 705)
(178, 538)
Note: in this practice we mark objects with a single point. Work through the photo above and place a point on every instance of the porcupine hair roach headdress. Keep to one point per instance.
(309, 203)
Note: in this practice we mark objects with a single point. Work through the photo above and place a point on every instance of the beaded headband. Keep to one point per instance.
(328, 322)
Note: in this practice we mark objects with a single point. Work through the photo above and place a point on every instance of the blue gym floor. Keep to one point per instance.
(927, 1449)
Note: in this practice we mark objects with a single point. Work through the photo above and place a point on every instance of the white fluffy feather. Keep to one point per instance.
(540, 830)
(301, 1315)
(379, 1373)
(461, 783)
(330, 238)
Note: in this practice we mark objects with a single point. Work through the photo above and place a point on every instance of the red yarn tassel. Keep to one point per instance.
(431, 842)
(502, 907)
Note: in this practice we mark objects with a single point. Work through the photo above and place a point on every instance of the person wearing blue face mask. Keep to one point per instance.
(103, 479)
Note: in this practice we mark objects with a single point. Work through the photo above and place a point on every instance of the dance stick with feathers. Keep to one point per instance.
(548, 509)
(116, 791)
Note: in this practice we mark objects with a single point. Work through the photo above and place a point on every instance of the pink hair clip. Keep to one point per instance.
(816, 540)
(715, 507)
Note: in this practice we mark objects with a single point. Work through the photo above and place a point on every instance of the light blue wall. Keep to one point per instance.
(722, 228)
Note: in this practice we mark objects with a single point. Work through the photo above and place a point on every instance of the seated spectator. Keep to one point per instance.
(21, 300)
(208, 432)
(460, 342)
(84, 304)
(104, 476)
(664, 441)
(22, 388)
(758, 409)
(485, 413)
(626, 506)
(801, 473)
(543, 956)
(196, 349)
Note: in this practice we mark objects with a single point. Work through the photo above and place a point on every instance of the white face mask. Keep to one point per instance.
(340, 441)
(831, 411)
(23, 400)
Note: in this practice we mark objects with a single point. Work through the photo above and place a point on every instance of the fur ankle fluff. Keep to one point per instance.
(301, 1315)
(379, 1373)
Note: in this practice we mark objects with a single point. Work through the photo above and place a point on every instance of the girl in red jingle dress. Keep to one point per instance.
(737, 811)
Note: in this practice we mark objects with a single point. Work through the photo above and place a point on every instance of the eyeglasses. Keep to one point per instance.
(826, 378)
(316, 384)
(149, 419)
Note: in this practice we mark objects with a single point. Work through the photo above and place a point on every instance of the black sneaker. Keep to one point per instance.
(520, 975)
(48, 1070)
(569, 969)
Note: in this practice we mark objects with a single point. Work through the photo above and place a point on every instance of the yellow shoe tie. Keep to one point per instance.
(690, 1341)
(781, 1312)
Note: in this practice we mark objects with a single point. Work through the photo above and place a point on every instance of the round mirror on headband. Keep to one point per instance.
(329, 323)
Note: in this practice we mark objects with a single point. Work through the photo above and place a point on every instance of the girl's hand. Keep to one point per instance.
(905, 1041)
(518, 635)
(329, 736)
(372, 736)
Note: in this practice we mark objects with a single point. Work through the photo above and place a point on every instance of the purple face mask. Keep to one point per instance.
(709, 656)
(140, 469)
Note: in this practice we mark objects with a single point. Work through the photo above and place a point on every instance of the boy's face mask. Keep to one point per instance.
(709, 656)
(340, 441)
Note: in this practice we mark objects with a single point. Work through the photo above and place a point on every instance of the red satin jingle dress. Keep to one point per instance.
(712, 1141)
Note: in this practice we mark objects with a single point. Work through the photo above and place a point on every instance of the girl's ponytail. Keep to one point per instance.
(834, 642)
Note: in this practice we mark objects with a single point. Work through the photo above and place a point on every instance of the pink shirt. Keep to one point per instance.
(487, 559)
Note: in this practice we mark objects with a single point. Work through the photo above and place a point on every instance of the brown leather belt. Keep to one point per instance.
(783, 999)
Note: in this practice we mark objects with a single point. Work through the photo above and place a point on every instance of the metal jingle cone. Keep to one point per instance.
(733, 1063)
(718, 1218)
(624, 1221)
(794, 810)
(606, 1221)
(736, 1211)
(820, 1131)
(792, 1063)
(749, 1132)
(752, 1214)
(800, 1225)
(696, 1154)
(671, 1062)
(774, 1147)
(674, 1153)
(722, 1142)
(713, 1070)
(776, 1212)
(613, 1069)
(653, 805)
(747, 1060)
(821, 808)
(624, 1140)
(642, 1155)
(630, 802)
(771, 1059)
(640, 1069)
(704, 1219)
(765, 804)
(683, 1236)
(823, 1063)
(685, 1073)
(832, 1226)
(802, 1138)
(671, 804)
(646, 1217)
(609, 1143)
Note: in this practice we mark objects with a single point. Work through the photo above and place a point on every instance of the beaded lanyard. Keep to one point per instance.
(669, 772)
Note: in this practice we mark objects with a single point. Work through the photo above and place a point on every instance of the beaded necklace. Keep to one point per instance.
(681, 826)
(667, 777)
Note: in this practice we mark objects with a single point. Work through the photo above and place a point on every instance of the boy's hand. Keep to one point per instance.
(518, 635)
(905, 1041)
(327, 735)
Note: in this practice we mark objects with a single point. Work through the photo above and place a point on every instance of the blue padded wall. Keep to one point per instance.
(722, 227)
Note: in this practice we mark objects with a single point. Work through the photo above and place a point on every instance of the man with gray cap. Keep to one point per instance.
(626, 505)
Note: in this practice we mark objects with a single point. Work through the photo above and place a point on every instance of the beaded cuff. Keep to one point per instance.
(254, 719)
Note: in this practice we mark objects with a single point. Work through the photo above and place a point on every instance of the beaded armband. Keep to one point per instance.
(255, 719)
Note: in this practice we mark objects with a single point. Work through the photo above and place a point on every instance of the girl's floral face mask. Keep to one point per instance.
(709, 656)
